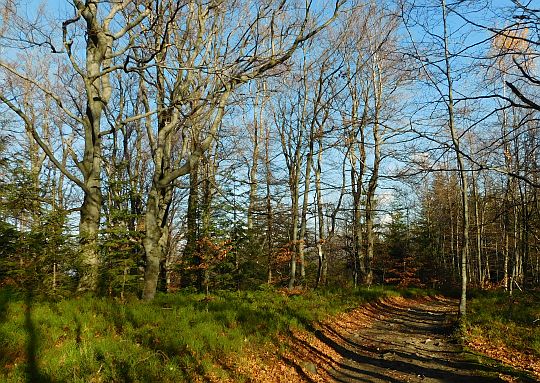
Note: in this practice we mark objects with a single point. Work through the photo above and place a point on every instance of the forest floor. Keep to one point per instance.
(270, 336)
(394, 340)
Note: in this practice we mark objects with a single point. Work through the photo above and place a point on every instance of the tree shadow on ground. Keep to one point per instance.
(388, 350)
(33, 373)
(4, 306)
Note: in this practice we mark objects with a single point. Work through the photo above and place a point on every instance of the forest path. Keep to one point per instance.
(398, 340)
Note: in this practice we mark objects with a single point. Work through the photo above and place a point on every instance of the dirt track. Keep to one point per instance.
(392, 341)
(409, 344)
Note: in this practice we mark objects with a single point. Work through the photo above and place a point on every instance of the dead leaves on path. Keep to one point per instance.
(307, 358)
(519, 359)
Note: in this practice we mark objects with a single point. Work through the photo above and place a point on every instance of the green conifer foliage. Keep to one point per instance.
(401, 262)
(36, 252)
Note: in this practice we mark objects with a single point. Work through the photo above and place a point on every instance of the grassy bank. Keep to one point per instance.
(178, 337)
(505, 328)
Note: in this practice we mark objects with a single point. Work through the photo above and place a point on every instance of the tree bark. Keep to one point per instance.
(461, 169)
(374, 177)
(155, 239)
(269, 210)
(321, 275)
(196, 99)
(258, 124)
(305, 203)
(98, 93)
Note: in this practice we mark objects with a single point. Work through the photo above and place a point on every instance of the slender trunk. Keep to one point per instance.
(269, 211)
(356, 186)
(452, 241)
(253, 182)
(207, 197)
(333, 219)
(358, 254)
(320, 216)
(462, 171)
(483, 245)
(303, 219)
(298, 236)
(294, 230)
(253, 178)
(206, 217)
(193, 212)
(480, 271)
(374, 178)
(515, 244)
(324, 278)
(269, 235)
(506, 254)
(370, 235)
(88, 237)
(291, 145)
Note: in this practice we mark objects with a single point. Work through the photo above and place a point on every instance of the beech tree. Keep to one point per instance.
(441, 79)
(201, 58)
(242, 142)
(372, 77)
(449, 101)
(91, 61)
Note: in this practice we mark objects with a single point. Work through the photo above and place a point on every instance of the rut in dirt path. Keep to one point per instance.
(404, 343)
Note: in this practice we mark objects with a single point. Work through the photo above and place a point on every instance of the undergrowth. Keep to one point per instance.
(177, 337)
(513, 321)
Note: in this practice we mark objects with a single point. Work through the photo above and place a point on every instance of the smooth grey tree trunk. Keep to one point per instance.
(461, 168)
(291, 146)
(374, 177)
(98, 93)
(255, 136)
(321, 276)
(305, 202)
(191, 103)
(293, 232)
(155, 239)
(269, 210)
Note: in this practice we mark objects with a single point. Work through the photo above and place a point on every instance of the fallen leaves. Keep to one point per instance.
(308, 358)
(512, 357)
(312, 356)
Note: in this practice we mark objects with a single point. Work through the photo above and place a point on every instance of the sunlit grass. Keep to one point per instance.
(178, 337)
(510, 321)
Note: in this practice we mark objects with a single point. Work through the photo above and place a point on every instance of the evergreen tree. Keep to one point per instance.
(401, 262)
(36, 252)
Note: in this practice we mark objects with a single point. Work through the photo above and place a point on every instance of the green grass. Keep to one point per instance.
(176, 338)
(511, 321)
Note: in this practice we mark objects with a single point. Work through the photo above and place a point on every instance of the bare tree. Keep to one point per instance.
(201, 59)
(103, 49)
(444, 89)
